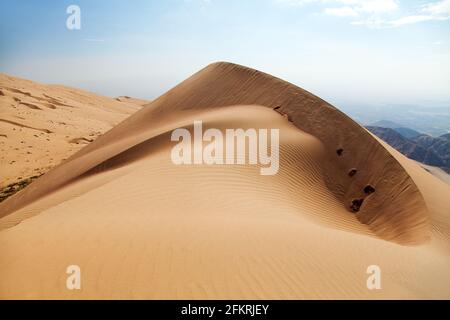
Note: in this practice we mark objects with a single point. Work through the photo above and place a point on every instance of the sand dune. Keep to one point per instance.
(40, 125)
(134, 101)
(437, 172)
(141, 227)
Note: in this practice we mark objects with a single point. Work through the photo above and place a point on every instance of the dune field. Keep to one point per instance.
(41, 125)
(141, 227)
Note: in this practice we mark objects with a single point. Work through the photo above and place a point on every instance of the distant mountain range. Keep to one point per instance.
(434, 151)
(434, 121)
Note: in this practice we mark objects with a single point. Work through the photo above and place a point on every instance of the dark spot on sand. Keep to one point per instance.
(30, 105)
(11, 189)
(369, 189)
(356, 204)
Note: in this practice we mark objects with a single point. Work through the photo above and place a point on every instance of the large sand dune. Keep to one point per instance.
(141, 227)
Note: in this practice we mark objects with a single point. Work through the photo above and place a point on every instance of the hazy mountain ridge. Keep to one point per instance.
(434, 151)
(434, 121)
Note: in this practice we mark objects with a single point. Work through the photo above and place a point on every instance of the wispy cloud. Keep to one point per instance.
(437, 8)
(341, 12)
(372, 6)
(294, 3)
(400, 22)
(369, 6)
(433, 11)
(378, 13)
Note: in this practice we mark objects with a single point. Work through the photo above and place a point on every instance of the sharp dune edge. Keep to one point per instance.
(141, 227)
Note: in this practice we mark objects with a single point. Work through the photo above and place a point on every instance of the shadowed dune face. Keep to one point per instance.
(226, 231)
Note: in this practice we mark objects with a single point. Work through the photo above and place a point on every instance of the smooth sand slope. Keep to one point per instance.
(437, 172)
(41, 125)
(141, 227)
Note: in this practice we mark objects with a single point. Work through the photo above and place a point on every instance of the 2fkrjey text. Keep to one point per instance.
(230, 309)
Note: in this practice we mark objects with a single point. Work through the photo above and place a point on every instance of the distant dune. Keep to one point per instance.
(131, 100)
(41, 125)
(437, 172)
(141, 227)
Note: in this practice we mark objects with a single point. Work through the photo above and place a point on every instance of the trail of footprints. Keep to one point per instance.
(356, 204)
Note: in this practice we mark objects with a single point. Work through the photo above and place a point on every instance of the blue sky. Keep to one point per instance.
(364, 52)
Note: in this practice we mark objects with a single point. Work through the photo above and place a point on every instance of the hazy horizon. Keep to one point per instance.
(349, 52)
